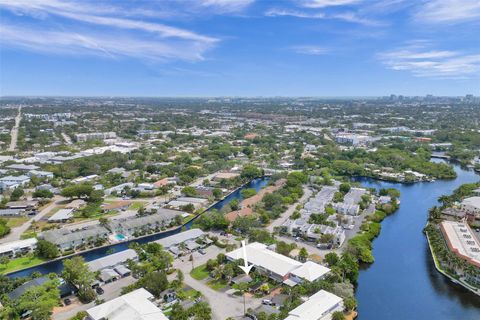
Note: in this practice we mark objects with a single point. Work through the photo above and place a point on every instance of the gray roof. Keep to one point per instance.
(63, 236)
(112, 260)
(108, 274)
(152, 220)
(180, 237)
(62, 214)
(10, 212)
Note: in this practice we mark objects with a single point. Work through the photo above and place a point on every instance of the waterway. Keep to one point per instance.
(57, 265)
(403, 283)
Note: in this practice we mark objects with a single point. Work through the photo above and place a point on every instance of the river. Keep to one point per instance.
(403, 283)
(57, 265)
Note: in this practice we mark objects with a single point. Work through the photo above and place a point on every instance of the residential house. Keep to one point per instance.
(136, 305)
(67, 239)
(320, 306)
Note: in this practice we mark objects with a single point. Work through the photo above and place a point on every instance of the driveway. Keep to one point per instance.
(15, 233)
(307, 193)
(222, 304)
(112, 291)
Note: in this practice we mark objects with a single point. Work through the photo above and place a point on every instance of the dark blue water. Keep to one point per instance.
(403, 283)
(57, 266)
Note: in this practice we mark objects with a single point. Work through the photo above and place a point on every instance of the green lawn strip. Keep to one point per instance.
(137, 205)
(217, 285)
(16, 222)
(199, 273)
(20, 263)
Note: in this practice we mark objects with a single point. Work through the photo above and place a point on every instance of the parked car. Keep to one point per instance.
(67, 301)
(267, 302)
(99, 290)
(251, 316)
(202, 251)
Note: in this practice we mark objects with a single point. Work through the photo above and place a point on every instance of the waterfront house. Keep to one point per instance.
(112, 260)
(319, 306)
(66, 239)
(18, 248)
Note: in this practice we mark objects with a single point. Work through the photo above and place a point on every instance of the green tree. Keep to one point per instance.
(46, 249)
(234, 205)
(344, 187)
(77, 272)
(331, 259)
(16, 194)
(217, 193)
(303, 254)
(45, 194)
(338, 315)
(154, 282)
(189, 191)
(250, 172)
(350, 303)
(40, 300)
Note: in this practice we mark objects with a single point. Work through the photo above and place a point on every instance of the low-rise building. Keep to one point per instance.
(136, 305)
(62, 215)
(17, 248)
(13, 182)
(129, 227)
(471, 205)
(66, 239)
(112, 260)
(462, 241)
(320, 306)
(277, 266)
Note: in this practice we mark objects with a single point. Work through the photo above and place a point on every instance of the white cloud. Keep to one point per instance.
(227, 6)
(149, 40)
(63, 42)
(311, 50)
(425, 62)
(294, 13)
(327, 3)
(449, 11)
(345, 16)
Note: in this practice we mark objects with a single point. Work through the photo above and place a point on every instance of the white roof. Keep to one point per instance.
(462, 241)
(259, 255)
(180, 237)
(319, 306)
(472, 201)
(62, 214)
(15, 245)
(112, 260)
(131, 306)
(310, 271)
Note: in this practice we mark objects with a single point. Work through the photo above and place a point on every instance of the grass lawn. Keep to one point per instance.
(217, 285)
(186, 219)
(137, 205)
(20, 263)
(16, 222)
(28, 234)
(199, 273)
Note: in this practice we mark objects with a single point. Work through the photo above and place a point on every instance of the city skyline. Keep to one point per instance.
(314, 48)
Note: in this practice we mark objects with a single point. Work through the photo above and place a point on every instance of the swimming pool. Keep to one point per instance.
(120, 237)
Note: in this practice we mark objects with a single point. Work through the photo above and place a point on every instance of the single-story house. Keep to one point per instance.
(67, 239)
(319, 306)
(17, 248)
(133, 305)
(62, 215)
(112, 260)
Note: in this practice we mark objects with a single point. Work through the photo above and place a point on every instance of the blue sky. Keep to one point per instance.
(239, 47)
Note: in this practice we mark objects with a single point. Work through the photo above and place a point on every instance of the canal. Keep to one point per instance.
(403, 283)
(57, 265)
